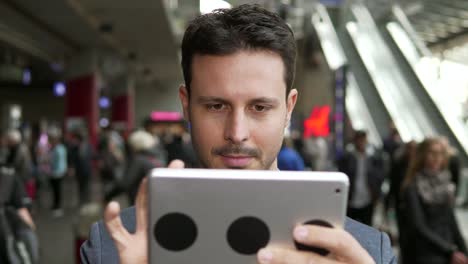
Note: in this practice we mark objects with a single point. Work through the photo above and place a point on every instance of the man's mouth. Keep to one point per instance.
(236, 161)
(235, 156)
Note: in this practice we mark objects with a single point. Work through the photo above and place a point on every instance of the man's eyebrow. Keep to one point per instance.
(260, 100)
(265, 100)
(211, 99)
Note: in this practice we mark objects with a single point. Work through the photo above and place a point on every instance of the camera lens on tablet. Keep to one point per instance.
(175, 231)
(247, 235)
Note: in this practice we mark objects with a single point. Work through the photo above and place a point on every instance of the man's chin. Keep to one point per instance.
(250, 166)
(254, 164)
(220, 165)
(223, 166)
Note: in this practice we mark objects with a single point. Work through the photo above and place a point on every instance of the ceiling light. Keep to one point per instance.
(208, 6)
(27, 76)
(104, 122)
(60, 89)
(104, 102)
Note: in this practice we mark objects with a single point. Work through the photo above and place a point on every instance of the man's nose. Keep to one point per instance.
(236, 128)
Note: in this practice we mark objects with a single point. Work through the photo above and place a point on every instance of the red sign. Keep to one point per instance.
(317, 124)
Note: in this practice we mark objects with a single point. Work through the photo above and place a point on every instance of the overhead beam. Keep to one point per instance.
(43, 26)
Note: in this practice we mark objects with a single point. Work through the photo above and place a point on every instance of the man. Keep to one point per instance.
(19, 221)
(81, 159)
(19, 156)
(392, 142)
(58, 169)
(238, 67)
(366, 173)
(179, 145)
(143, 160)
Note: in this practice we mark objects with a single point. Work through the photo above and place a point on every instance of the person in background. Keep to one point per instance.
(19, 156)
(454, 165)
(298, 145)
(3, 149)
(398, 172)
(112, 163)
(58, 169)
(13, 196)
(143, 160)
(396, 176)
(42, 160)
(81, 155)
(158, 131)
(365, 171)
(180, 146)
(432, 235)
(288, 158)
(392, 142)
(316, 150)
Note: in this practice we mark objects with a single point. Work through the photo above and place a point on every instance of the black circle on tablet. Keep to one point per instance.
(175, 231)
(316, 250)
(247, 235)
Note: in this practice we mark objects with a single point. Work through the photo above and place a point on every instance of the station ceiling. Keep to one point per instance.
(146, 34)
(439, 21)
(137, 32)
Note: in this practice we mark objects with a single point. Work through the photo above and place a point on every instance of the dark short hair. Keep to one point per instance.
(246, 27)
(360, 134)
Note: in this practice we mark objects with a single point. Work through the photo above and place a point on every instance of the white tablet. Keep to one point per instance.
(226, 216)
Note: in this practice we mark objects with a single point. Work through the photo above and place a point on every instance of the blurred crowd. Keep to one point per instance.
(35, 162)
(416, 182)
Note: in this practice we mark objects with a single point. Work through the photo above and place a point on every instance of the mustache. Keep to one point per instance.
(229, 150)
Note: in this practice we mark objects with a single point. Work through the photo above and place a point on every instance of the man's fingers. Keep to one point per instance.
(339, 242)
(113, 222)
(141, 207)
(276, 255)
(176, 164)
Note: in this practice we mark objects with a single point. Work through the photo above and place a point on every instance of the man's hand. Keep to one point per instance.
(342, 246)
(459, 258)
(132, 248)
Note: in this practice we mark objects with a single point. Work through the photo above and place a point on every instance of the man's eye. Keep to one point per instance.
(215, 107)
(260, 108)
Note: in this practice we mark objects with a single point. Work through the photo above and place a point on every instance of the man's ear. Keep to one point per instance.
(184, 101)
(290, 104)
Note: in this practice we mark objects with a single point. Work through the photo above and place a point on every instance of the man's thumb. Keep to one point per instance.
(176, 164)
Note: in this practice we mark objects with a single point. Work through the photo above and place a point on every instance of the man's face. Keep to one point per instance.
(238, 109)
(361, 144)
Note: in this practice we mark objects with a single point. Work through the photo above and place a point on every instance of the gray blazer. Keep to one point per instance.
(100, 249)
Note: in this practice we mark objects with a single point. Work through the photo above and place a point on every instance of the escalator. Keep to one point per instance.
(364, 109)
(420, 70)
(394, 92)
(383, 83)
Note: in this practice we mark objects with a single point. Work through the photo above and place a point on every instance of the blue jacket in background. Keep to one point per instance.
(58, 161)
(290, 160)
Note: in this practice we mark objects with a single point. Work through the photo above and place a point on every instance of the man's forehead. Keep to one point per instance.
(246, 51)
(241, 71)
(239, 57)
